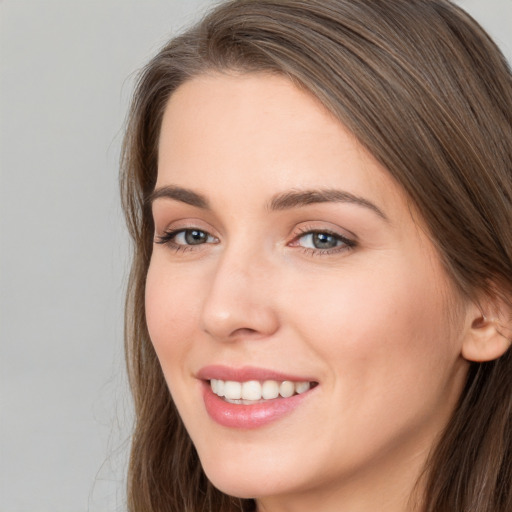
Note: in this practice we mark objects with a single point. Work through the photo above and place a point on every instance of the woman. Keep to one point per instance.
(319, 312)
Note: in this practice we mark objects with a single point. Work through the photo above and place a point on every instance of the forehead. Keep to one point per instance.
(263, 131)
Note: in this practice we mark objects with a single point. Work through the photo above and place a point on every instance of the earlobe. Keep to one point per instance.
(490, 332)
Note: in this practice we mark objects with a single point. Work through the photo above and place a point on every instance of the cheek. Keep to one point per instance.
(393, 367)
(384, 328)
(171, 311)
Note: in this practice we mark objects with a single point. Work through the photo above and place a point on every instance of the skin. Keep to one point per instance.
(368, 321)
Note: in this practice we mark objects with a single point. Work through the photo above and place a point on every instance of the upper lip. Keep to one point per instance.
(246, 373)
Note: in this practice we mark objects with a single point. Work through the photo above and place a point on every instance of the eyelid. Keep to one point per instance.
(170, 234)
(165, 232)
(324, 227)
(166, 225)
(348, 242)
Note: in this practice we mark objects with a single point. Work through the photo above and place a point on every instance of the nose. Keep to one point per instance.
(239, 301)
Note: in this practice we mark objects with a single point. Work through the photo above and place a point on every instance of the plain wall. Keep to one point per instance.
(67, 70)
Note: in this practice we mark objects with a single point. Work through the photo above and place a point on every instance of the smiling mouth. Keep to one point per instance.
(253, 391)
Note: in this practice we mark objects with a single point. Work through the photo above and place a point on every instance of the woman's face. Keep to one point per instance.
(285, 253)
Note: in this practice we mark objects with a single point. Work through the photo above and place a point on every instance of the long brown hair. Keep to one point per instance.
(428, 93)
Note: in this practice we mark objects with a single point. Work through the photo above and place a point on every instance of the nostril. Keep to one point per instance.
(244, 331)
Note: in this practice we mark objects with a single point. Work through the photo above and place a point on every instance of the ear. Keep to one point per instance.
(489, 332)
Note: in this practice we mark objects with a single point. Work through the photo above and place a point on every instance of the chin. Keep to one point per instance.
(240, 487)
(246, 480)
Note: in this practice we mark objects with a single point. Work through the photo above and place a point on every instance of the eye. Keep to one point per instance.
(191, 237)
(186, 237)
(323, 241)
(320, 241)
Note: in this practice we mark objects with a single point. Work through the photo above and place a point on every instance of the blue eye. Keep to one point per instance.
(320, 241)
(191, 237)
(186, 237)
(323, 241)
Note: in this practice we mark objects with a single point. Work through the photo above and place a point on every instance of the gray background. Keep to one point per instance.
(67, 71)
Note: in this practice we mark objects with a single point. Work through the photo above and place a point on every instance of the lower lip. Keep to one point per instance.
(248, 416)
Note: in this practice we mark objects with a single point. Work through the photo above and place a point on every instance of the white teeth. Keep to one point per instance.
(217, 386)
(302, 387)
(232, 390)
(254, 390)
(251, 390)
(270, 389)
(286, 389)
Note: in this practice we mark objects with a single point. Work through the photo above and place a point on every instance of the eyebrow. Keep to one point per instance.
(184, 195)
(294, 199)
(283, 201)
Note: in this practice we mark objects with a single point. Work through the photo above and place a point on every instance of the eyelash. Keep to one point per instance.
(168, 239)
(346, 243)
